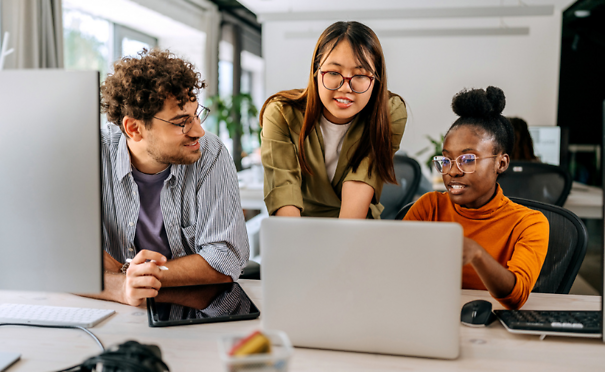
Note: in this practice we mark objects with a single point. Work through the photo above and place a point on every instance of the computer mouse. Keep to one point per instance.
(477, 313)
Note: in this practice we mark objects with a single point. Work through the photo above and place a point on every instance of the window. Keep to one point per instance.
(251, 83)
(93, 43)
(128, 42)
(87, 42)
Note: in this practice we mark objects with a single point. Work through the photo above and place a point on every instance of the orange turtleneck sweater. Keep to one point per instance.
(515, 236)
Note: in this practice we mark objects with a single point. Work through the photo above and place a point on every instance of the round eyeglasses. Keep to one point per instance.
(467, 163)
(187, 123)
(333, 80)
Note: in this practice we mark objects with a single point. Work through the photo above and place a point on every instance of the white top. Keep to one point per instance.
(334, 135)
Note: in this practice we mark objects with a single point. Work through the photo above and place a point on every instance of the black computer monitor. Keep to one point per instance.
(603, 220)
(50, 181)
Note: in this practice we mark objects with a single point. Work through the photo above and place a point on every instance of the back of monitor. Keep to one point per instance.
(50, 194)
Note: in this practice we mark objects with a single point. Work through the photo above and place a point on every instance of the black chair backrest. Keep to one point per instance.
(566, 247)
(536, 181)
(408, 174)
(567, 242)
(403, 211)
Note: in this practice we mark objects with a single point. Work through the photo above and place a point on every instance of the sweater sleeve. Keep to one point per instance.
(280, 161)
(527, 259)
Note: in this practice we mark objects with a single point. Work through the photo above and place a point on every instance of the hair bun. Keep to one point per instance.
(479, 103)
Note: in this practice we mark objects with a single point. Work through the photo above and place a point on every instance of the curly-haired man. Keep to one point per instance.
(170, 190)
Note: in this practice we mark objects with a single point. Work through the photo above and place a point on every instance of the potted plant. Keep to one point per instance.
(435, 149)
(233, 111)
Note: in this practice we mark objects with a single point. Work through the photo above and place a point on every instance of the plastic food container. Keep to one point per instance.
(276, 361)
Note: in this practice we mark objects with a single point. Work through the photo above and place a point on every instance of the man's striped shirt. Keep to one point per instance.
(200, 205)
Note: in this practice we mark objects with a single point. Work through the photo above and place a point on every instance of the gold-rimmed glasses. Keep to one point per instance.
(467, 163)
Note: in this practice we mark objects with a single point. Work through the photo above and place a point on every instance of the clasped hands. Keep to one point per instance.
(142, 279)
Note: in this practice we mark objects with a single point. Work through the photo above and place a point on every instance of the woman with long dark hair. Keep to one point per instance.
(328, 149)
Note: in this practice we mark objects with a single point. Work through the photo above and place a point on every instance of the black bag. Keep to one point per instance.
(127, 357)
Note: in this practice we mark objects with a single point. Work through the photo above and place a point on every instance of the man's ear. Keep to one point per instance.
(503, 162)
(134, 128)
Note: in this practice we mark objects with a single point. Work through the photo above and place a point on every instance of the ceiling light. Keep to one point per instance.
(582, 13)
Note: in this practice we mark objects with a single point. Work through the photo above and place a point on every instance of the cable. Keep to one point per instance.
(55, 326)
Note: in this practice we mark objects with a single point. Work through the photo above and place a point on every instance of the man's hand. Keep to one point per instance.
(111, 264)
(143, 278)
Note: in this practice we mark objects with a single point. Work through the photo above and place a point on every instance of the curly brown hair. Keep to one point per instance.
(139, 86)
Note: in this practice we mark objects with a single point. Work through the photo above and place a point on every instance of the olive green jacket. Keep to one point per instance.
(315, 195)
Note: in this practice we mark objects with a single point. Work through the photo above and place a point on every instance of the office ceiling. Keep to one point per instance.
(281, 6)
(236, 9)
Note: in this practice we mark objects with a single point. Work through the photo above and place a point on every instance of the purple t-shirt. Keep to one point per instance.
(150, 233)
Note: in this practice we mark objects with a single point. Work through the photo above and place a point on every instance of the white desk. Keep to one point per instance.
(194, 347)
(585, 201)
(251, 189)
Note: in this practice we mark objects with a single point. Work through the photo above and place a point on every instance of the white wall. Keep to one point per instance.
(428, 71)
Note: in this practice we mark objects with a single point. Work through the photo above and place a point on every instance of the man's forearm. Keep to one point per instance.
(191, 270)
(114, 288)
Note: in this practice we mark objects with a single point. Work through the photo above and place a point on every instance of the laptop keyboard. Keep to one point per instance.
(551, 321)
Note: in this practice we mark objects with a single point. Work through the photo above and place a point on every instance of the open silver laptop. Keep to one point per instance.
(389, 287)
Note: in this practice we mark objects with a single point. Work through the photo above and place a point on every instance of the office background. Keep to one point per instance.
(544, 54)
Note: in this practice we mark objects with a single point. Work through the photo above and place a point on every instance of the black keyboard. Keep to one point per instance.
(588, 322)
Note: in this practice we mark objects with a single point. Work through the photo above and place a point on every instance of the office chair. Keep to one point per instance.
(567, 242)
(403, 211)
(393, 197)
(536, 181)
(566, 247)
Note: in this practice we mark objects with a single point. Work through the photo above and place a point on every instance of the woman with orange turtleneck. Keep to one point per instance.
(504, 243)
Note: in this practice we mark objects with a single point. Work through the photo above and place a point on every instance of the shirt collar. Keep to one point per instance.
(123, 159)
(123, 167)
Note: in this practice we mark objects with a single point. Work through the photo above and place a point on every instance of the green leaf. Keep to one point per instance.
(224, 110)
(437, 148)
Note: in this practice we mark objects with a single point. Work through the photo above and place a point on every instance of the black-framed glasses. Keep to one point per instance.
(467, 163)
(187, 123)
(333, 80)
